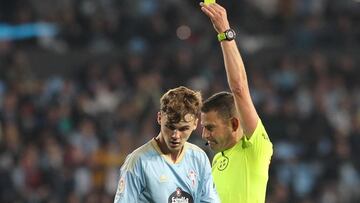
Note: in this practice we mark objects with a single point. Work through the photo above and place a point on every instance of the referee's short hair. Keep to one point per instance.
(222, 103)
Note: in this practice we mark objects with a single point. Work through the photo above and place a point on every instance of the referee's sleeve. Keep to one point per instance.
(260, 145)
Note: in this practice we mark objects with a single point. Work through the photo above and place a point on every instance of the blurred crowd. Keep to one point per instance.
(63, 137)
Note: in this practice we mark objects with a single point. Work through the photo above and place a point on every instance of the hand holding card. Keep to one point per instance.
(207, 2)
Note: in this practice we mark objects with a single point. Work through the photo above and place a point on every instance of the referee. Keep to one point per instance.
(232, 127)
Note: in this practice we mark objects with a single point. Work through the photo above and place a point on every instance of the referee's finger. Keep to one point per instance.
(208, 11)
(216, 5)
(211, 7)
(216, 9)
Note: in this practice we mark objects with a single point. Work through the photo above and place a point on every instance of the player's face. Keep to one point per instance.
(176, 134)
(216, 131)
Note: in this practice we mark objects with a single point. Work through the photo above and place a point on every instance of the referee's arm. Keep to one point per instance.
(235, 70)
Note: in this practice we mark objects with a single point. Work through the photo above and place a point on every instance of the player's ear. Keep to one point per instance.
(159, 118)
(235, 123)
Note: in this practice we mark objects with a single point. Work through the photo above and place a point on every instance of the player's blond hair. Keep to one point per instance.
(179, 102)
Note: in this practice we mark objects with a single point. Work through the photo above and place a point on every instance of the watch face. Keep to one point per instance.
(230, 34)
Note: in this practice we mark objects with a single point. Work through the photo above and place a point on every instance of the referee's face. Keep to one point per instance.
(216, 131)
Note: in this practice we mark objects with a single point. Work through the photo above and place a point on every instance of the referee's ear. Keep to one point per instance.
(235, 123)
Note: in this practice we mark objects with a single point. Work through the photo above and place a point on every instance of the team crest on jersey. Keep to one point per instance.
(180, 196)
(223, 163)
(192, 176)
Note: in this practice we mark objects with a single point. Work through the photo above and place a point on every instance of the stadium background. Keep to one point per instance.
(81, 90)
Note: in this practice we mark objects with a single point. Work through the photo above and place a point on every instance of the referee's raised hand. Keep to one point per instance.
(217, 15)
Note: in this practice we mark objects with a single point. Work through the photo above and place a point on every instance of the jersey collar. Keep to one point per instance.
(167, 157)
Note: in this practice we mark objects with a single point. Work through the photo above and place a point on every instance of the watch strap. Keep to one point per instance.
(221, 36)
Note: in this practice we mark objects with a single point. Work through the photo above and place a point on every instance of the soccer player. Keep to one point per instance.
(232, 126)
(168, 168)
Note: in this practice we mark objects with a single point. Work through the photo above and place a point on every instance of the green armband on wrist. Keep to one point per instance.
(221, 37)
(227, 35)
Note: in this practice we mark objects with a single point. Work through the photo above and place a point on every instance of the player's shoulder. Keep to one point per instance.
(137, 155)
(194, 147)
(195, 150)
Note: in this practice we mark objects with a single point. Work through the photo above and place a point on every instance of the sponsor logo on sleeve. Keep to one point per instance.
(121, 186)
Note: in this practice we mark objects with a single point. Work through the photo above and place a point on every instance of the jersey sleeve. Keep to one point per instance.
(259, 144)
(130, 184)
(208, 192)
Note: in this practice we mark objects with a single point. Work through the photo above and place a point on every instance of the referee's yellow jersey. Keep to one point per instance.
(241, 172)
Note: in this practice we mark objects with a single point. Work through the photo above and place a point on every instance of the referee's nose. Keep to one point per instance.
(205, 134)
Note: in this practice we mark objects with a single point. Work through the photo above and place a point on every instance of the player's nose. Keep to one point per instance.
(175, 134)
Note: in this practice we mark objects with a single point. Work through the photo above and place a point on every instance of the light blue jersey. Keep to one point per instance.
(149, 176)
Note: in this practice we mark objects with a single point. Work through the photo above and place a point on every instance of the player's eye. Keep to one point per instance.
(184, 129)
(170, 127)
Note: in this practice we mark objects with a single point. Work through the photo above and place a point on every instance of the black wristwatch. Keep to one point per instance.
(228, 35)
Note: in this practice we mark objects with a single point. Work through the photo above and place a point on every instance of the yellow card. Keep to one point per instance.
(209, 1)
